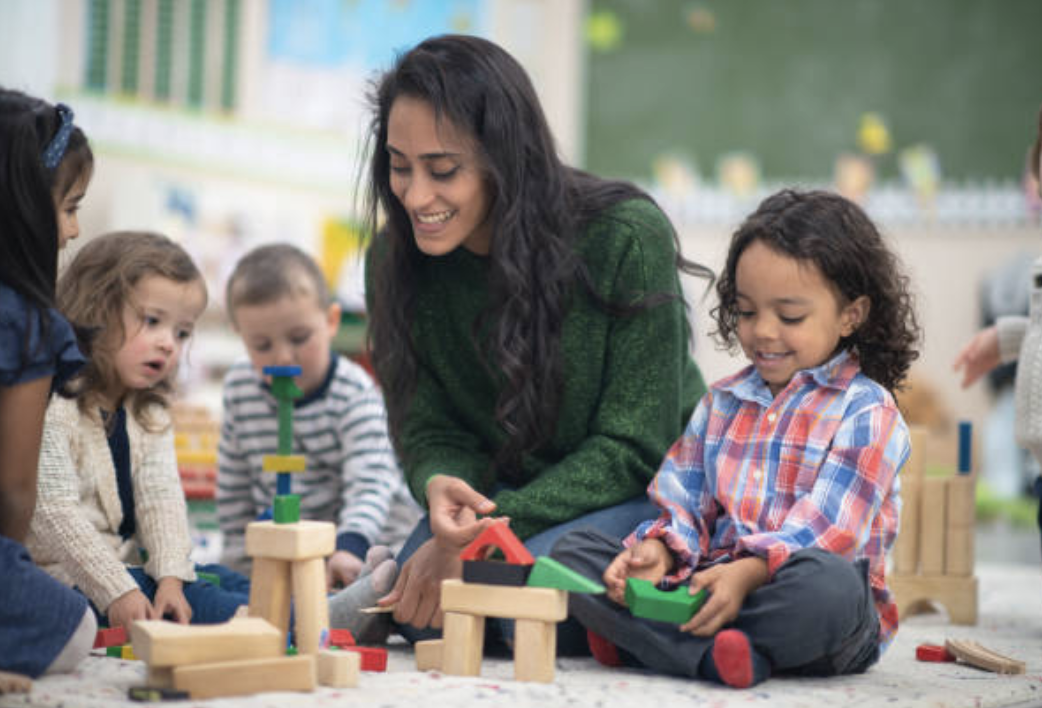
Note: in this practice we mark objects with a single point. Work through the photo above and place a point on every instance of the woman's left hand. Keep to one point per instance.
(454, 508)
(170, 600)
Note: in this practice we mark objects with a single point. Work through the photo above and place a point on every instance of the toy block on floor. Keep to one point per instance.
(372, 658)
(338, 669)
(243, 677)
(159, 643)
(429, 654)
(110, 637)
(341, 638)
(675, 606)
(545, 604)
(498, 535)
(494, 572)
(977, 655)
(464, 636)
(535, 650)
(548, 573)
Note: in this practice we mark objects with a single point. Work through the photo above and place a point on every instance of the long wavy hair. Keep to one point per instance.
(93, 293)
(837, 236)
(29, 193)
(538, 208)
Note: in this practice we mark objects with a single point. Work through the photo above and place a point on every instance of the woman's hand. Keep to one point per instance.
(342, 569)
(417, 591)
(128, 608)
(979, 356)
(454, 507)
(649, 560)
(728, 584)
(170, 601)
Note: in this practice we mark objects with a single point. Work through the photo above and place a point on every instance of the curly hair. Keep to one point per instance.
(837, 236)
(94, 291)
(538, 207)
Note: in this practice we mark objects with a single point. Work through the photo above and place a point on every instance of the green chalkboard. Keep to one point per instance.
(788, 81)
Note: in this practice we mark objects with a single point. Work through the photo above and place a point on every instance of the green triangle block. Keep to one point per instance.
(548, 573)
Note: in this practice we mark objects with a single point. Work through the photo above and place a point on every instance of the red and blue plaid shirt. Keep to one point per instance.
(813, 467)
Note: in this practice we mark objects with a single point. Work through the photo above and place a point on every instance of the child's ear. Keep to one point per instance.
(333, 318)
(854, 315)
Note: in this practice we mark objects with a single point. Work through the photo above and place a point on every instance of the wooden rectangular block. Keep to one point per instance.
(535, 650)
(339, 669)
(428, 654)
(284, 463)
(270, 593)
(464, 637)
(962, 512)
(299, 541)
(160, 643)
(312, 607)
(906, 547)
(239, 678)
(933, 525)
(546, 604)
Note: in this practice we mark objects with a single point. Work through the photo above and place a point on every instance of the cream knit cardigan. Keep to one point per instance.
(74, 534)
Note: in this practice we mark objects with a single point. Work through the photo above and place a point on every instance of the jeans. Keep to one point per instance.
(616, 521)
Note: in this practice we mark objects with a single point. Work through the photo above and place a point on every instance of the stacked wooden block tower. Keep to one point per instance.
(533, 593)
(933, 556)
(248, 655)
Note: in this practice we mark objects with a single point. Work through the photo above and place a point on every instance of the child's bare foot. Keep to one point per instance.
(14, 683)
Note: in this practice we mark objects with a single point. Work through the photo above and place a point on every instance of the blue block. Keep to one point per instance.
(282, 370)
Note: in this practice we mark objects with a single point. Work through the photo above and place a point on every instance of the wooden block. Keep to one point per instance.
(239, 678)
(341, 638)
(959, 540)
(299, 541)
(548, 573)
(933, 525)
(547, 604)
(160, 676)
(373, 658)
(535, 650)
(110, 637)
(338, 669)
(984, 658)
(284, 463)
(286, 509)
(269, 593)
(311, 625)
(906, 547)
(464, 637)
(494, 572)
(160, 643)
(127, 652)
(498, 535)
(915, 466)
(675, 606)
(428, 654)
(958, 595)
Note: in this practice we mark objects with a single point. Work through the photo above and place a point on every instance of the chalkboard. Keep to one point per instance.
(789, 80)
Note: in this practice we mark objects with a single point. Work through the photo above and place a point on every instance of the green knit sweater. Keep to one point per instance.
(630, 383)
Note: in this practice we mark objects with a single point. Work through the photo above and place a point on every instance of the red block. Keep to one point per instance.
(498, 535)
(373, 658)
(110, 637)
(933, 652)
(341, 638)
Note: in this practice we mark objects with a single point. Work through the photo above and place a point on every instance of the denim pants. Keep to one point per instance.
(617, 521)
(210, 604)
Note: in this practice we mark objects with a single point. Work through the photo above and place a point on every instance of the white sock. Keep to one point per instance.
(345, 605)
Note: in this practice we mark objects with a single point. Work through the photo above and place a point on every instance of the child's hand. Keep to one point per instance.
(342, 569)
(649, 560)
(128, 608)
(728, 585)
(170, 601)
(979, 356)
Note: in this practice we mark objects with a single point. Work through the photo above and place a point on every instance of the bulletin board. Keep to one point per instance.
(788, 82)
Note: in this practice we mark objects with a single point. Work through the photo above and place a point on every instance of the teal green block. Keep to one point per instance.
(675, 606)
(283, 388)
(548, 573)
(211, 578)
(287, 509)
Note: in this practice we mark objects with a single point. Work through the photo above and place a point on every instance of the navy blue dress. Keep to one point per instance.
(37, 613)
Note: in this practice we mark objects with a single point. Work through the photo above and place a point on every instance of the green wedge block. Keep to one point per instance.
(675, 606)
(548, 573)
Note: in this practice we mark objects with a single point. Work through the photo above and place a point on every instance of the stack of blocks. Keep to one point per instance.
(533, 593)
(934, 552)
(248, 655)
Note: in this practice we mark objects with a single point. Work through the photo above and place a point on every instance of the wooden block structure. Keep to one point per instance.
(933, 557)
(535, 611)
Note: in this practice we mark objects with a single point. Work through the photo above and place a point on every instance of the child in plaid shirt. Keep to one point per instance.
(781, 497)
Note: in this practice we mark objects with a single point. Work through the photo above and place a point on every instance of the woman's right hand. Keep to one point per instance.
(979, 356)
(417, 592)
(454, 507)
(128, 608)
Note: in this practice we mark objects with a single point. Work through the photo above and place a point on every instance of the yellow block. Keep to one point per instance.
(284, 463)
(196, 457)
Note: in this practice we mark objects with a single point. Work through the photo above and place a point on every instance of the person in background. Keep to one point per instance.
(781, 499)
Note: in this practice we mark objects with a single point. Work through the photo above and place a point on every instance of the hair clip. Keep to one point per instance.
(55, 151)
